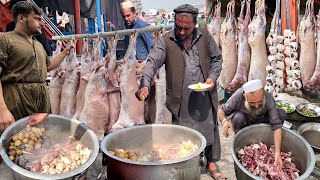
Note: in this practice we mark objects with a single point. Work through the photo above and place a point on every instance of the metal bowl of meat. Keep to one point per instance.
(285, 105)
(57, 128)
(141, 140)
(308, 110)
(293, 145)
(311, 132)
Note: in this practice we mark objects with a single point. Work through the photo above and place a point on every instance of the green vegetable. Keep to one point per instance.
(285, 106)
(308, 112)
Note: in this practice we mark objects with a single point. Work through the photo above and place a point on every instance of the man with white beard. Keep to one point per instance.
(252, 105)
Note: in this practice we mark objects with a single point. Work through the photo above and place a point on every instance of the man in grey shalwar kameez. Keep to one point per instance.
(190, 56)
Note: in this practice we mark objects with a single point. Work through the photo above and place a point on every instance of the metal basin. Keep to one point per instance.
(146, 136)
(287, 103)
(57, 126)
(309, 106)
(311, 132)
(302, 153)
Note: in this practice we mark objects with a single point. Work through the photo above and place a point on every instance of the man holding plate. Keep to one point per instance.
(190, 56)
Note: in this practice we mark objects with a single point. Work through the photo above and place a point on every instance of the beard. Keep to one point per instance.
(256, 112)
(32, 30)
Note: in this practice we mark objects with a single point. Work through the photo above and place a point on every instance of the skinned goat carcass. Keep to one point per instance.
(228, 46)
(70, 85)
(56, 83)
(215, 24)
(132, 110)
(85, 71)
(163, 115)
(113, 71)
(257, 42)
(314, 82)
(243, 49)
(307, 44)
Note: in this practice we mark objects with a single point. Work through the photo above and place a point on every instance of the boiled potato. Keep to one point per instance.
(17, 143)
(11, 147)
(11, 158)
(29, 148)
(27, 134)
(34, 139)
(15, 138)
(21, 136)
(18, 151)
(31, 142)
(12, 153)
(25, 140)
(34, 129)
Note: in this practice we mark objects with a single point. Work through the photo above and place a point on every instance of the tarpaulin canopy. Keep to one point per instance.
(88, 8)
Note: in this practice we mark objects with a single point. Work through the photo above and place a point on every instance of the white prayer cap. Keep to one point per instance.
(126, 5)
(252, 86)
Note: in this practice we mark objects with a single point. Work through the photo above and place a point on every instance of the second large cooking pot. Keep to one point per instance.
(187, 168)
(302, 153)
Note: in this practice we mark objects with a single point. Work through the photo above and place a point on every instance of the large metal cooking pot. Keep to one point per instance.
(55, 126)
(311, 131)
(302, 153)
(145, 136)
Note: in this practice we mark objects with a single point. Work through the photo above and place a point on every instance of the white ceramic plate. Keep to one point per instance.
(195, 87)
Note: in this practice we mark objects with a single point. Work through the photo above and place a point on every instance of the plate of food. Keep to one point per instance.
(285, 105)
(308, 110)
(199, 87)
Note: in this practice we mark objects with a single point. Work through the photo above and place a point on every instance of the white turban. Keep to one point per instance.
(126, 5)
(252, 86)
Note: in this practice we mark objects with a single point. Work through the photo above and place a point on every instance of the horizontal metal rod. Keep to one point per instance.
(113, 33)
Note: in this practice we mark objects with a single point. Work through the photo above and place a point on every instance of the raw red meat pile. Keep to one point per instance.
(259, 160)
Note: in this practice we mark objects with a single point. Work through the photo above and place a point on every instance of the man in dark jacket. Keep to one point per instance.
(190, 55)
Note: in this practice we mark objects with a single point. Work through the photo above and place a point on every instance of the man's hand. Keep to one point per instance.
(66, 51)
(142, 93)
(211, 82)
(6, 119)
(278, 160)
(226, 126)
(37, 118)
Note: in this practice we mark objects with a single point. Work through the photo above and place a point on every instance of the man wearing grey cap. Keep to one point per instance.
(251, 105)
(190, 55)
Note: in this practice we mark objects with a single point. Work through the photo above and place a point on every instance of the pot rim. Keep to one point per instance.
(313, 125)
(109, 136)
(236, 160)
(34, 175)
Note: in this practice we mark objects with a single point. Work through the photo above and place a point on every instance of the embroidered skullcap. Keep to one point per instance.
(126, 5)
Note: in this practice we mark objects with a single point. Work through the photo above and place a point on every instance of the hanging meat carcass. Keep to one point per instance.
(215, 24)
(132, 110)
(85, 71)
(257, 42)
(70, 85)
(163, 115)
(228, 46)
(243, 49)
(113, 71)
(314, 82)
(307, 44)
(96, 110)
(56, 82)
